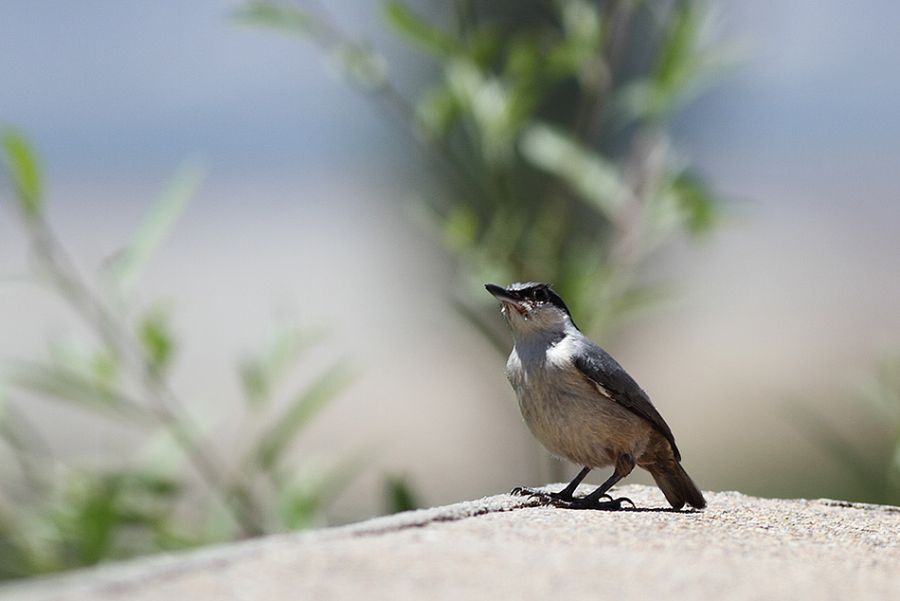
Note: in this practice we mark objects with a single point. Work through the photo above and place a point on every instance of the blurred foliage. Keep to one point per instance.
(399, 495)
(878, 399)
(173, 487)
(548, 120)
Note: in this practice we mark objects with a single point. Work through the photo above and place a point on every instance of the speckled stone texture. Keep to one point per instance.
(503, 548)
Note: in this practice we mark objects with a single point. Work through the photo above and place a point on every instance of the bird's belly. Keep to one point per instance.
(575, 422)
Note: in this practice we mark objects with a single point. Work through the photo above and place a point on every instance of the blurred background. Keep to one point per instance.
(242, 248)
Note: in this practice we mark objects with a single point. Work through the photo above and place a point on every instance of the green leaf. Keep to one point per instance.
(696, 202)
(127, 267)
(300, 509)
(488, 103)
(524, 59)
(154, 484)
(104, 368)
(156, 338)
(436, 112)
(96, 521)
(678, 57)
(299, 412)
(162, 454)
(584, 35)
(419, 32)
(286, 19)
(25, 172)
(684, 66)
(399, 495)
(484, 44)
(84, 518)
(17, 556)
(61, 384)
(361, 64)
(591, 176)
(679, 65)
(260, 374)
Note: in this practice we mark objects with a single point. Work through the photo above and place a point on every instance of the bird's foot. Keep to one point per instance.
(598, 504)
(564, 501)
(546, 497)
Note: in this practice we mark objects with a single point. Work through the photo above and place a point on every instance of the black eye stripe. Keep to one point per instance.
(538, 292)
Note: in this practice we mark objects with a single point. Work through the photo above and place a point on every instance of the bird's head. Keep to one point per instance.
(532, 308)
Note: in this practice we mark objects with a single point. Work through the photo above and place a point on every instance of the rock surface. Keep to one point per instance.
(504, 548)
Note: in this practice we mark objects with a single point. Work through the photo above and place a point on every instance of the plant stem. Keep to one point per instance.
(170, 412)
(330, 38)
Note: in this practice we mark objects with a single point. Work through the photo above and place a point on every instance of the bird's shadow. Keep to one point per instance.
(689, 511)
(537, 501)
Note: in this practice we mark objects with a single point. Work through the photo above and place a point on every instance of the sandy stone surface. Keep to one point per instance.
(500, 548)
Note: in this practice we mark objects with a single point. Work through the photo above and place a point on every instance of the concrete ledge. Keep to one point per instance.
(503, 548)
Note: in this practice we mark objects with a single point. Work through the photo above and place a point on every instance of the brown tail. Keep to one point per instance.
(678, 486)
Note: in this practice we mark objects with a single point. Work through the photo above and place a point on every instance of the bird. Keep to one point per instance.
(582, 406)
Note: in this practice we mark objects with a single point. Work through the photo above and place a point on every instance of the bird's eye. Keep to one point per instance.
(541, 295)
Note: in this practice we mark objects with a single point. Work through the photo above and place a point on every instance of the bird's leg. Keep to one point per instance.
(566, 493)
(624, 466)
(563, 495)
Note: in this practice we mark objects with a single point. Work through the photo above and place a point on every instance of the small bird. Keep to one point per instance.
(582, 405)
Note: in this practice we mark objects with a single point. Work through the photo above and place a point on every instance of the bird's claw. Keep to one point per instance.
(569, 502)
(588, 503)
(521, 491)
(545, 497)
(621, 500)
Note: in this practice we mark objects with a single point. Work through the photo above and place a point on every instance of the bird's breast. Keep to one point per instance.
(564, 410)
(555, 400)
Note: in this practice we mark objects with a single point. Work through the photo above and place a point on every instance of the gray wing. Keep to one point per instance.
(599, 367)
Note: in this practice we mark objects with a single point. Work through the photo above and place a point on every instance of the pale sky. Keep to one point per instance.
(138, 85)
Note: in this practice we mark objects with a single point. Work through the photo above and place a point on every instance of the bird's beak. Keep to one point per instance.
(499, 292)
(504, 296)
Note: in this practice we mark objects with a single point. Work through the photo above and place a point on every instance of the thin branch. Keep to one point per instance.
(51, 253)
(331, 38)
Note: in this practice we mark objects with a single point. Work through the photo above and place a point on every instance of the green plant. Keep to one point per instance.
(548, 121)
(60, 514)
(877, 400)
(399, 495)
